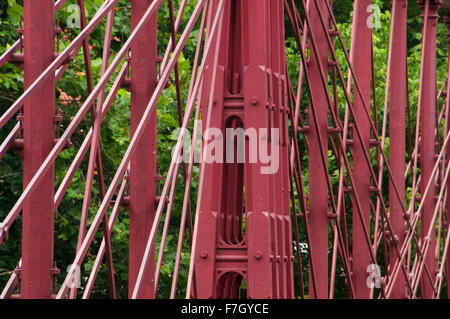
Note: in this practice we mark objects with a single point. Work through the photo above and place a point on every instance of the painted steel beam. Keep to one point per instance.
(446, 4)
(397, 78)
(318, 193)
(245, 88)
(243, 226)
(427, 104)
(143, 162)
(360, 57)
(38, 127)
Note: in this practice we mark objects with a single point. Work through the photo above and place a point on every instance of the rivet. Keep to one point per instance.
(203, 254)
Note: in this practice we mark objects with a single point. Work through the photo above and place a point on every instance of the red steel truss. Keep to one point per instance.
(377, 226)
(245, 87)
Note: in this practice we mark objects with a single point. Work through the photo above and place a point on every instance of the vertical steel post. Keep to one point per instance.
(360, 57)
(397, 78)
(284, 196)
(428, 139)
(143, 162)
(258, 201)
(249, 87)
(211, 216)
(447, 118)
(37, 224)
(318, 194)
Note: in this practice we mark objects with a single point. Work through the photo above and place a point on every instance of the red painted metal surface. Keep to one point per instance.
(318, 194)
(427, 105)
(447, 262)
(360, 53)
(225, 252)
(397, 78)
(38, 130)
(259, 214)
(143, 163)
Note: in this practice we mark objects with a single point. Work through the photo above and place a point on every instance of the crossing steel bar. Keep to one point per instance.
(5, 57)
(382, 153)
(101, 252)
(447, 117)
(9, 139)
(187, 189)
(322, 155)
(356, 127)
(72, 126)
(63, 56)
(143, 122)
(414, 220)
(74, 166)
(363, 211)
(95, 161)
(151, 105)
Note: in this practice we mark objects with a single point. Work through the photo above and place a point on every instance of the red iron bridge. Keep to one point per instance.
(263, 208)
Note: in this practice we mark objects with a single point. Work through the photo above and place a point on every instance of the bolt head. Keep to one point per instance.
(254, 100)
(203, 254)
(258, 255)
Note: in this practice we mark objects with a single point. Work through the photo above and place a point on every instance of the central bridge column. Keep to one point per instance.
(244, 226)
